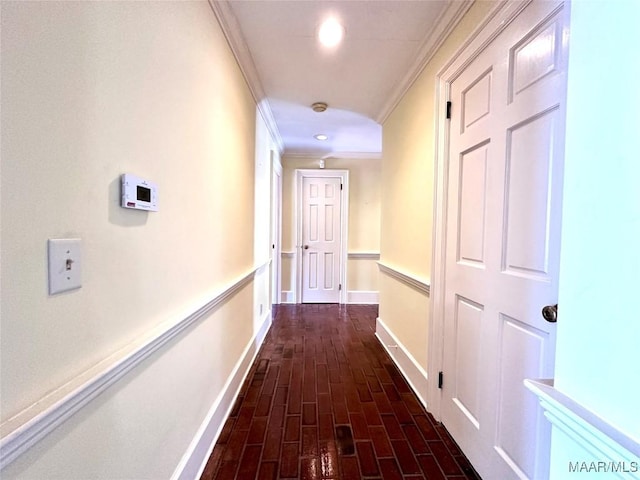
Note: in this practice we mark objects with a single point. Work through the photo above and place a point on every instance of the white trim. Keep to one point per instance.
(288, 254)
(229, 24)
(232, 32)
(276, 228)
(195, 459)
(36, 422)
(406, 278)
(310, 155)
(443, 26)
(288, 297)
(495, 22)
(262, 266)
(362, 297)
(301, 174)
(364, 255)
(415, 375)
(604, 441)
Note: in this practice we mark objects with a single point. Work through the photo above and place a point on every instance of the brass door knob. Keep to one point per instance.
(550, 313)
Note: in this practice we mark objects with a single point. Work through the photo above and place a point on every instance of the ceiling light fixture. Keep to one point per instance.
(330, 33)
(319, 107)
(321, 136)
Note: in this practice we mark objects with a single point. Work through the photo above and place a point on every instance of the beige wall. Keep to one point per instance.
(407, 196)
(364, 217)
(91, 90)
(362, 274)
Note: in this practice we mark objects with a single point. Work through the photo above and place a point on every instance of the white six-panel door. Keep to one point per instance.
(321, 239)
(502, 250)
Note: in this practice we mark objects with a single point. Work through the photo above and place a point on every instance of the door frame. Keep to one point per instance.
(301, 174)
(276, 229)
(494, 23)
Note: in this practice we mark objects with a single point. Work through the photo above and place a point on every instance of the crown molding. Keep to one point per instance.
(230, 26)
(233, 33)
(444, 25)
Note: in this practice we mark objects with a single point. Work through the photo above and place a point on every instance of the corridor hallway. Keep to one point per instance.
(324, 400)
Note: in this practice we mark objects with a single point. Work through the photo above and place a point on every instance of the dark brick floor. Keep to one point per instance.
(324, 400)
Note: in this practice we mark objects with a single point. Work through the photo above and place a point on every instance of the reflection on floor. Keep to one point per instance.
(324, 400)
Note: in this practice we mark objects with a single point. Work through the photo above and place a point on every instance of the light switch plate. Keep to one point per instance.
(65, 266)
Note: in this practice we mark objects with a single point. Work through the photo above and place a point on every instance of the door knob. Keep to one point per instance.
(550, 313)
(306, 247)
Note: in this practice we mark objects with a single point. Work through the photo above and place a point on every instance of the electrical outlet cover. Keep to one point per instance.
(65, 266)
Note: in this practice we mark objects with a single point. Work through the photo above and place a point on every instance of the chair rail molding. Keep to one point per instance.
(604, 445)
(406, 278)
(24, 430)
(364, 255)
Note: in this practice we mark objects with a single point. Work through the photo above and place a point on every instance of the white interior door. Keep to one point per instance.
(276, 230)
(502, 251)
(321, 239)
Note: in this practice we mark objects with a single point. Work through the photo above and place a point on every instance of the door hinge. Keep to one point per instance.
(340, 287)
(340, 186)
(448, 110)
(440, 379)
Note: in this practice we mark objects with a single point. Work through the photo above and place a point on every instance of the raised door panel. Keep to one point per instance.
(523, 350)
(329, 223)
(468, 328)
(313, 227)
(472, 193)
(536, 56)
(476, 100)
(528, 195)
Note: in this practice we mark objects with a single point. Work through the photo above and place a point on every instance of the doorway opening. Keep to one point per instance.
(322, 206)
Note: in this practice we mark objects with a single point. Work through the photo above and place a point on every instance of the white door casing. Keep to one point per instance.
(276, 229)
(322, 206)
(500, 204)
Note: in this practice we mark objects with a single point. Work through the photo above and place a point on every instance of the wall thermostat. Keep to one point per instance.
(139, 193)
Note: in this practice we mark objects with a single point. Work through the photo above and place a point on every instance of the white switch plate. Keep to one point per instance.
(65, 266)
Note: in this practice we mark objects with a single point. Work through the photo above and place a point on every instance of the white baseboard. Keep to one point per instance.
(362, 297)
(195, 459)
(287, 296)
(353, 296)
(412, 371)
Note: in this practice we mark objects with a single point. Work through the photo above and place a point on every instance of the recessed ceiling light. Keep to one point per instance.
(321, 137)
(330, 33)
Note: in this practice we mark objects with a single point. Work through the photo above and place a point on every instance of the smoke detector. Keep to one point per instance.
(319, 107)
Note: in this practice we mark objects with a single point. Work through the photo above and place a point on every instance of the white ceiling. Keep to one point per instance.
(386, 44)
